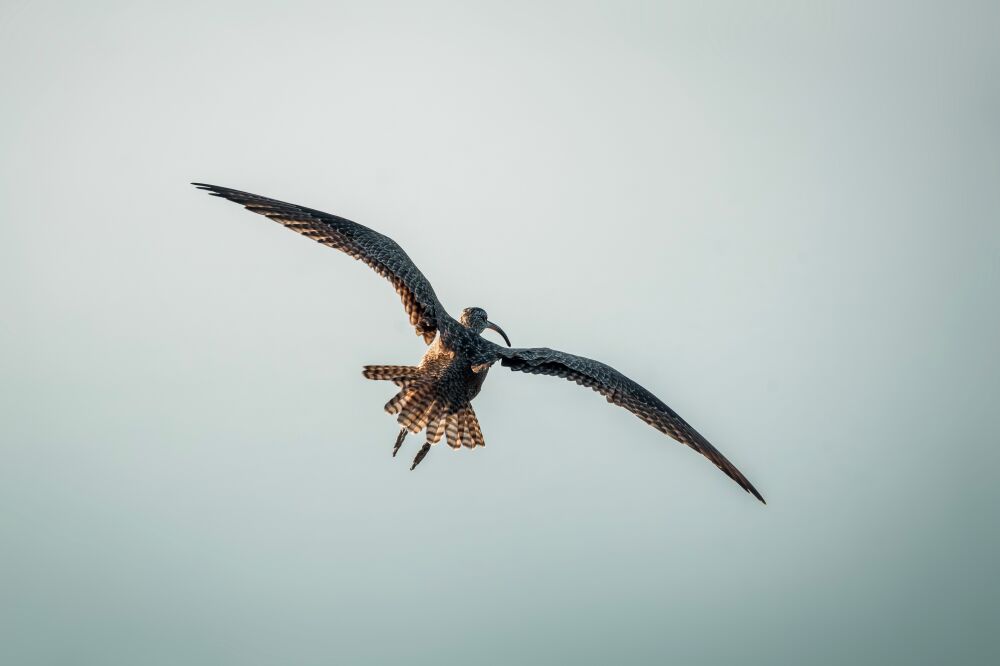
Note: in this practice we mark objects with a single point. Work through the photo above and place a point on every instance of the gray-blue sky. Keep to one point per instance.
(781, 218)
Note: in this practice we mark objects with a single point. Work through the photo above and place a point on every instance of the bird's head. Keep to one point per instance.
(475, 320)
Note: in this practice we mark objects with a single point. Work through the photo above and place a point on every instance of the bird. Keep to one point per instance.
(436, 395)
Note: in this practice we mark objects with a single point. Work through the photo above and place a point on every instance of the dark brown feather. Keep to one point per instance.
(620, 390)
(379, 252)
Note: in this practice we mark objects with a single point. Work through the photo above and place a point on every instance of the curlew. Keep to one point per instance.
(436, 395)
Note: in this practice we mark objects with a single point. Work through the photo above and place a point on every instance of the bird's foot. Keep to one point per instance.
(420, 455)
(399, 441)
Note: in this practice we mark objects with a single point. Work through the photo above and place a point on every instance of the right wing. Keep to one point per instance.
(622, 391)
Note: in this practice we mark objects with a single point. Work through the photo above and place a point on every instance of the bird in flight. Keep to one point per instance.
(436, 395)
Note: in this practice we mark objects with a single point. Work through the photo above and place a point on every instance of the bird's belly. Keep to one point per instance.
(475, 383)
(451, 372)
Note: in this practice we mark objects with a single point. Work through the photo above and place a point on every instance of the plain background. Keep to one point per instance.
(782, 217)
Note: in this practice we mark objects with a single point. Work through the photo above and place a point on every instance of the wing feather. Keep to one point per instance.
(622, 391)
(379, 252)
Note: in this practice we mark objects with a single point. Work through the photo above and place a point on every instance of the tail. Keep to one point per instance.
(400, 375)
(419, 406)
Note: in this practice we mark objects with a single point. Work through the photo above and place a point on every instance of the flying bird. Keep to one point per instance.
(436, 395)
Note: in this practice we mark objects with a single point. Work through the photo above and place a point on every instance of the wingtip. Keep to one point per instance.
(215, 190)
(753, 491)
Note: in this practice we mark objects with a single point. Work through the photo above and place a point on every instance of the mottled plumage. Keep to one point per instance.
(435, 396)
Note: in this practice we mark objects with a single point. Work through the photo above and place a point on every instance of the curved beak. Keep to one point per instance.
(499, 330)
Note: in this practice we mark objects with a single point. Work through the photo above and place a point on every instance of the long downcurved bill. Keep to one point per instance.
(499, 330)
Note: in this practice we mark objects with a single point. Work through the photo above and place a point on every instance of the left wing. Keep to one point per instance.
(381, 253)
(622, 391)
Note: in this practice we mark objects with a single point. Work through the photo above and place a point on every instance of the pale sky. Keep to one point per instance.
(782, 218)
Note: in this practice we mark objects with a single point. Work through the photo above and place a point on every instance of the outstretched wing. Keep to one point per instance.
(380, 252)
(622, 391)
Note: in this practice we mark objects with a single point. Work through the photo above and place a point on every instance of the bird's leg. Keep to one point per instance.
(399, 441)
(420, 455)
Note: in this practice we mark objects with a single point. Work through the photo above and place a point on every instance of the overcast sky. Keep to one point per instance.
(782, 218)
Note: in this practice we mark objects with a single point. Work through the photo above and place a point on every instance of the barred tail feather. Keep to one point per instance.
(461, 427)
(419, 407)
(400, 374)
(437, 424)
(464, 417)
(398, 401)
(428, 414)
(477, 433)
(416, 414)
(451, 430)
(414, 408)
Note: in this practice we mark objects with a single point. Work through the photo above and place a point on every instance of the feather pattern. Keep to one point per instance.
(454, 439)
(379, 252)
(436, 426)
(619, 390)
(463, 417)
(391, 372)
